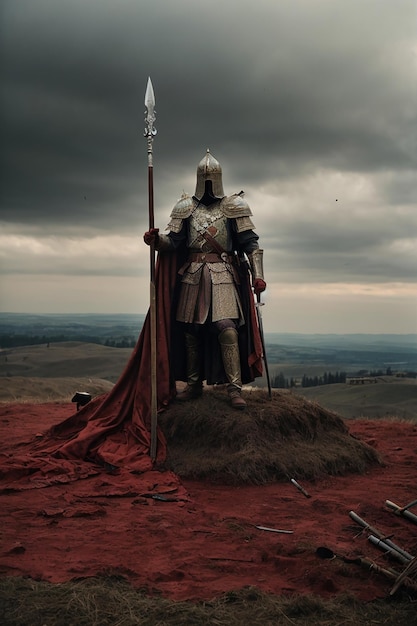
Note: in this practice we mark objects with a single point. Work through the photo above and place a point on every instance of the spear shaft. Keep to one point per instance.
(150, 133)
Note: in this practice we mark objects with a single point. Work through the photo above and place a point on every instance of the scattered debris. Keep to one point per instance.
(382, 541)
(326, 553)
(275, 530)
(403, 511)
(300, 488)
(81, 398)
(388, 547)
(408, 577)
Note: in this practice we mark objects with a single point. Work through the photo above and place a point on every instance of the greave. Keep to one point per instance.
(192, 349)
(229, 347)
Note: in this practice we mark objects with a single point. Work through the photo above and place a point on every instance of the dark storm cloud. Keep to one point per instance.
(310, 106)
(273, 90)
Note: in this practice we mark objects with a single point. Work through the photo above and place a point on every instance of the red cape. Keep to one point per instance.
(113, 430)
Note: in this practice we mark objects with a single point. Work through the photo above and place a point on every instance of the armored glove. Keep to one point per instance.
(257, 270)
(259, 285)
(151, 236)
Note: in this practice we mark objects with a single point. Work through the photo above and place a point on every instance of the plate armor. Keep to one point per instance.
(218, 232)
(208, 283)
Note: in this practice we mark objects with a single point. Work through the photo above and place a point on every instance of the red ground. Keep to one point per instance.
(206, 543)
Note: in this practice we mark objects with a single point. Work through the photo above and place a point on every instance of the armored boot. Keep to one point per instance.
(229, 347)
(194, 387)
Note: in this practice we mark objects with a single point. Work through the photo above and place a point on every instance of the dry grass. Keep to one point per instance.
(390, 396)
(64, 359)
(111, 601)
(44, 390)
(273, 439)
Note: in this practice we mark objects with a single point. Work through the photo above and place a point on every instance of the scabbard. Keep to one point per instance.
(261, 333)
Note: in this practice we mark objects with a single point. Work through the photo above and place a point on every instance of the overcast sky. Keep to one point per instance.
(309, 105)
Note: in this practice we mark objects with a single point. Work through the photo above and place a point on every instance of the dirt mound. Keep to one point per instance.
(273, 439)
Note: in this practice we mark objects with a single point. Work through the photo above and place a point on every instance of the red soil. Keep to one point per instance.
(204, 542)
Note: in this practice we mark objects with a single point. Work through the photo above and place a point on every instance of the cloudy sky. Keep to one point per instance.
(309, 105)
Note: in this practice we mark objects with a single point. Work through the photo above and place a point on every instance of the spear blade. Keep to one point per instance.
(149, 95)
(150, 117)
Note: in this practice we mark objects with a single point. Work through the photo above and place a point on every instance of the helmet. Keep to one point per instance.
(209, 169)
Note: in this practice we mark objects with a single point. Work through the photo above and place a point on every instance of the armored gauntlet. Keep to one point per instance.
(256, 264)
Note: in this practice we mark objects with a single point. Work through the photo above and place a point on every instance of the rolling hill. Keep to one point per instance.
(387, 398)
(63, 359)
(45, 374)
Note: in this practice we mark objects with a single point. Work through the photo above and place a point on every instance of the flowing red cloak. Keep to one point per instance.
(113, 430)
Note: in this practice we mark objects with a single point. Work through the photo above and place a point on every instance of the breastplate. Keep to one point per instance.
(207, 219)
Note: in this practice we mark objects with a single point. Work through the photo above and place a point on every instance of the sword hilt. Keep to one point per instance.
(258, 300)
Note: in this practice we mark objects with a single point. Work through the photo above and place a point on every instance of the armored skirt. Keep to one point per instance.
(208, 292)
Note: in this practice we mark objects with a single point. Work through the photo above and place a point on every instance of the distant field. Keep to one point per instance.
(43, 390)
(391, 397)
(294, 353)
(46, 374)
(295, 362)
(65, 359)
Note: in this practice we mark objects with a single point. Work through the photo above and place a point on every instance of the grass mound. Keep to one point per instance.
(273, 439)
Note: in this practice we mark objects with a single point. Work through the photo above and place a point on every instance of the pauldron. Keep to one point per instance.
(233, 207)
(180, 212)
(236, 207)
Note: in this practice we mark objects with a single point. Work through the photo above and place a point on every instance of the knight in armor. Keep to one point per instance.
(219, 260)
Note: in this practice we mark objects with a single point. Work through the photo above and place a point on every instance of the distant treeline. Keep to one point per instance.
(120, 343)
(19, 340)
(328, 378)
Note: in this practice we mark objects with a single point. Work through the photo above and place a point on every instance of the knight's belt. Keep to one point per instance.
(210, 257)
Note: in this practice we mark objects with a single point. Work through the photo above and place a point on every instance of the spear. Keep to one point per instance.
(150, 132)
